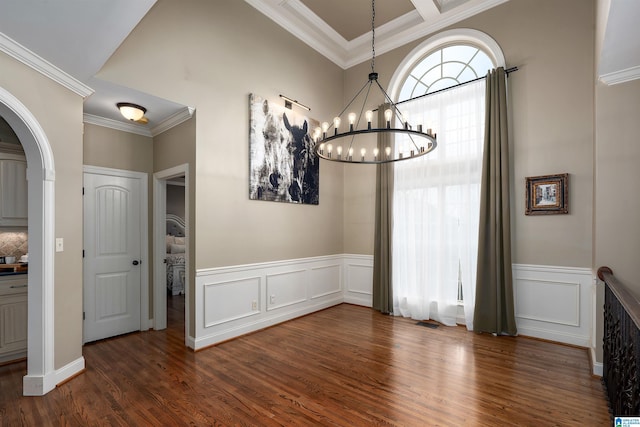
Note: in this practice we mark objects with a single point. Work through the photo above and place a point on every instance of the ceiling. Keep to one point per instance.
(76, 37)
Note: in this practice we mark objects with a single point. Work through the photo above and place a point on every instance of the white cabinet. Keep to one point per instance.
(13, 191)
(13, 317)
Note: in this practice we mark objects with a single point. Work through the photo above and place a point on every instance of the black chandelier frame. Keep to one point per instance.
(413, 134)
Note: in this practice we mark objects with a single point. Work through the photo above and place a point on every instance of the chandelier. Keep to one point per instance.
(356, 145)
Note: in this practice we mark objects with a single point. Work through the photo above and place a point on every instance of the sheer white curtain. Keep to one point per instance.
(436, 208)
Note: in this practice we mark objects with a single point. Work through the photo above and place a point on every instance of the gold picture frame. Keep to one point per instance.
(547, 194)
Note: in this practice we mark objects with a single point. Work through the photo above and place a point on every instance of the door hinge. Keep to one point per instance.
(83, 315)
(83, 191)
(83, 253)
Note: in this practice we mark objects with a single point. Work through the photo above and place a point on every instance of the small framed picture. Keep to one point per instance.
(547, 194)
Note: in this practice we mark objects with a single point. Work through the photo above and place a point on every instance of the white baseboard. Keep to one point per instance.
(39, 385)
(597, 366)
(191, 342)
(69, 370)
(551, 335)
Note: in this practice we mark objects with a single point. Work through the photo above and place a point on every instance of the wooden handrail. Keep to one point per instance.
(629, 302)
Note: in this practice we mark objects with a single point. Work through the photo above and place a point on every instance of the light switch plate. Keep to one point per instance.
(59, 244)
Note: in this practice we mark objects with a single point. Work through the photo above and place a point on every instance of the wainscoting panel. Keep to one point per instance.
(359, 279)
(232, 301)
(325, 280)
(284, 289)
(554, 303)
(549, 301)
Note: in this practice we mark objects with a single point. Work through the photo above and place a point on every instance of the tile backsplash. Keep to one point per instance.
(14, 242)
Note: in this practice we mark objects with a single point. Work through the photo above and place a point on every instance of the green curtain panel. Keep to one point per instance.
(382, 291)
(494, 309)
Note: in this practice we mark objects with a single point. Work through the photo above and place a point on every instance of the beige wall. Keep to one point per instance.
(175, 147)
(552, 121)
(553, 132)
(617, 229)
(110, 148)
(211, 55)
(175, 200)
(59, 113)
(617, 239)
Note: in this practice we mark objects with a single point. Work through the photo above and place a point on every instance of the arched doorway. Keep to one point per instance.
(40, 376)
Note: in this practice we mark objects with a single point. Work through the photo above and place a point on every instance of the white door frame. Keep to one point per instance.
(144, 233)
(159, 231)
(41, 375)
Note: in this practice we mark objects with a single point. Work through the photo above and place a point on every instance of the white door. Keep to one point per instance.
(112, 265)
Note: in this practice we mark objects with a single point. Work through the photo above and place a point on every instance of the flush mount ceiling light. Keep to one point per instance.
(131, 111)
(356, 146)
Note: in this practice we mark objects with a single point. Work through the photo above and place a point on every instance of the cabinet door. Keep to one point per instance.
(13, 324)
(13, 192)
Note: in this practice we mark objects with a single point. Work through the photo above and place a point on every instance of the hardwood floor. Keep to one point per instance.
(344, 366)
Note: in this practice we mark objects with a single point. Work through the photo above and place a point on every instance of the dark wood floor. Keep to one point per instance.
(344, 366)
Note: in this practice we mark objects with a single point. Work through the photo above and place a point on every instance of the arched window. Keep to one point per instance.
(436, 198)
(457, 46)
(445, 67)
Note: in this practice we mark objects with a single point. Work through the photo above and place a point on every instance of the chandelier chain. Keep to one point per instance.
(373, 35)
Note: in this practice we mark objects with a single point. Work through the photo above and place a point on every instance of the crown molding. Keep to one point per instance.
(116, 124)
(300, 21)
(44, 67)
(174, 120)
(140, 129)
(621, 76)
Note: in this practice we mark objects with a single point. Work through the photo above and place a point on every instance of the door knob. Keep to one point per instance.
(136, 262)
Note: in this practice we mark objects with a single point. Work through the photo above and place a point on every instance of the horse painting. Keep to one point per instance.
(283, 164)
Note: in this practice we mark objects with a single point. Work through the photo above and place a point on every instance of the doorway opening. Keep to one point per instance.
(175, 252)
(13, 247)
(171, 260)
(41, 376)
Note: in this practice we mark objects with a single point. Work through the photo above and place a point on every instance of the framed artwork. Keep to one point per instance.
(547, 194)
(283, 166)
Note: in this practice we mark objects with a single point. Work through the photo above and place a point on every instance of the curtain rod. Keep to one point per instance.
(507, 71)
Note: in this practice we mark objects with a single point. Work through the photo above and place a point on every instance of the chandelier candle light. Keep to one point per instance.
(360, 149)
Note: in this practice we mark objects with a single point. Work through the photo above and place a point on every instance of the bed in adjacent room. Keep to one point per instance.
(175, 257)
